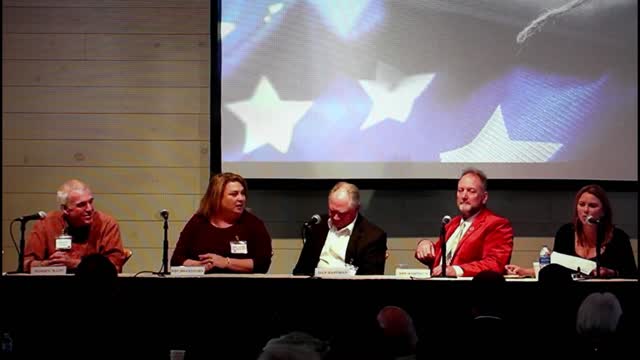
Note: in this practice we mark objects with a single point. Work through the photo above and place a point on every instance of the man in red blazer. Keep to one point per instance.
(476, 240)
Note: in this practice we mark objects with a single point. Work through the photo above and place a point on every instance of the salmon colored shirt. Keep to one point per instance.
(103, 237)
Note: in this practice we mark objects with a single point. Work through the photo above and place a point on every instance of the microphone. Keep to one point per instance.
(164, 213)
(592, 220)
(315, 219)
(37, 216)
(446, 219)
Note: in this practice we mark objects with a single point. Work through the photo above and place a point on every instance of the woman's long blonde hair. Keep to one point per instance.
(210, 202)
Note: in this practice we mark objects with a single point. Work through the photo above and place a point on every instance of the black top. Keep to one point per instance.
(616, 255)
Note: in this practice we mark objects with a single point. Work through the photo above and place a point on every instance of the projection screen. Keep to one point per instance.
(376, 89)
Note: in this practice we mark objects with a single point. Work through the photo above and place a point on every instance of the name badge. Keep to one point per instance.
(63, 242)
(239, 247)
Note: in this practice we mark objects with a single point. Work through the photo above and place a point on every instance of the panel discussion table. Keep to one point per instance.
(240, 313)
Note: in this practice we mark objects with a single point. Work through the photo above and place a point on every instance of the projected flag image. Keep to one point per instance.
(428, 82)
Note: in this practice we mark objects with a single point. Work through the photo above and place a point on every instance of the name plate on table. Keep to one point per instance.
(419, 273)
(48, 270)
(334, 271)
(187, 270)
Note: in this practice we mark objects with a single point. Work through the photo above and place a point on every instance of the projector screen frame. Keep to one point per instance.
(364, 183)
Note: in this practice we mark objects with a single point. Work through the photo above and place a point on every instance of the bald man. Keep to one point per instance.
(344, 237)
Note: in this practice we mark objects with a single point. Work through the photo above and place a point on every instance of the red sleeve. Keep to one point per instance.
(496, 251)
(111, 243)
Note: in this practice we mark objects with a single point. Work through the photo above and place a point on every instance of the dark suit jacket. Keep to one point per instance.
(487, 245)
(366, 249)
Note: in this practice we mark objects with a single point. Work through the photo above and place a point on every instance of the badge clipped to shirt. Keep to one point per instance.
(63, 242)
(239, 246)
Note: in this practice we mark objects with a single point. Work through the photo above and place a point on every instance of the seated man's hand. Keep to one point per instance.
(437, 271)
(513, 269)
(63, 258)
(425, 250)
(517, 270)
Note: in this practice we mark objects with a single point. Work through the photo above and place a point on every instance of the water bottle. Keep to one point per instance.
(545, 257)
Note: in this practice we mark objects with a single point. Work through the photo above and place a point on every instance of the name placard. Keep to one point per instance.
(187, 270)
(420, 273)
(337, 271)
(48, 270)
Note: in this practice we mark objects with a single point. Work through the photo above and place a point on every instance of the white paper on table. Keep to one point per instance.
(573, 262)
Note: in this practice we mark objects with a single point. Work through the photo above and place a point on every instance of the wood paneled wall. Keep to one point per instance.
(113, 92)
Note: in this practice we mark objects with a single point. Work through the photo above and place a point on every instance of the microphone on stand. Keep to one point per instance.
(165, 244)
(315, 219)
(443, 245)
(599, 235)
(23, 223)
(37, 216)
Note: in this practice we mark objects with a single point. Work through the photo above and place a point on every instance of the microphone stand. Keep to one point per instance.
(165, 248)
(443, 251)
(21, 252)
(599, 236)
(304, 233)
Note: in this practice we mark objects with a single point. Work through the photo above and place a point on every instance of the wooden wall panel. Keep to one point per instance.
(175, 127)
(114, 92)
(148, 47)
(106, 47)
(106, 73)
(148, 180)
(105, 153)
(123, 207)
(109, 3)
(114, 20)
(43, 46)
(105, 100)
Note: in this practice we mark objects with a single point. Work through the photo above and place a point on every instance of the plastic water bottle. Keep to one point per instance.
(545, 257)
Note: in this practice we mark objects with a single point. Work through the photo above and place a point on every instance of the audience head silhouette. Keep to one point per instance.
(488, 293)
(398, 332)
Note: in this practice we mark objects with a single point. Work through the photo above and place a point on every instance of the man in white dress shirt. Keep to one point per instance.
(344, 237)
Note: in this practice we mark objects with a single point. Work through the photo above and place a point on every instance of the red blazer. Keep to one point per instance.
(487, 244)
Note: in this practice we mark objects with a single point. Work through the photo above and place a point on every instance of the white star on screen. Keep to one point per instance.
(273, 9)
(492, 144)
(226, 28)
(392, 95)
(267, 119)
